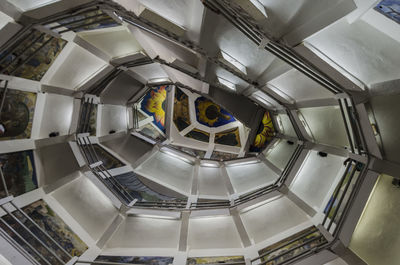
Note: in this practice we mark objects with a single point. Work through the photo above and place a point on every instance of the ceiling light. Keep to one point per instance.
(227, 83)
(176, 154)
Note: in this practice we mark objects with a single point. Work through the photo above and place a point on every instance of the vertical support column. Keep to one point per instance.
(227, 182)
(183, 235)
(244, 237)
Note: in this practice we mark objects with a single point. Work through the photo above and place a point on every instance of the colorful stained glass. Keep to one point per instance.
(210, 114)
(153, 104)
(230, 137)
(265, 133)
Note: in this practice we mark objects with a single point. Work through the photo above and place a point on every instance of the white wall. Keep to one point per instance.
(280, 154)
(272, 218)
(213, 233)
(57, 115)
(316, 178)
(211, 182)
(146, 232)
(111, 117)
(73, 67)
(87, 205)
(245, 178)
(169, 171)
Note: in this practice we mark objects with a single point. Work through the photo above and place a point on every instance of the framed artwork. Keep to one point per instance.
(150, 260)
(54, 226)
(230, 137)
(265, 133)
(390, 9)
(17, 115)
(109, 161)
(211, 114)
(19, 173)
(181, 110)
(216, 260)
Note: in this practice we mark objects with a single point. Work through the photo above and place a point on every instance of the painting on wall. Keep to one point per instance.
(19, 173)
(93, 120)
(17, 115)
(153, 104)
(150, 260)
(181, 110)
(389, 8)
(150, 131)
(88, 21)
(265, 133)
(341, 189)
(307, 239)
(109, 161)
(230, 137)
(36, 53)
(216, 155)
(199, 135)
(210, 114)
(191, 151)
(216, 260)
(54, 226)
(132, 184)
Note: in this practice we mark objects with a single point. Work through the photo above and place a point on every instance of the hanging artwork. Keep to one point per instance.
(265, 133)
(230, 137)
(88, 21)
(153, 104)
(19, 173)
(150, 131)
(222, 156)
(199, 135)
(181, 110)
(191, 151)
(93, 120)
(54, 226)
(137, 260)
(389, 8)
(17, 115)
(239, 260)
(307, 239)
(33, 56)
(109, 161)
(138, 190)
(210, 114)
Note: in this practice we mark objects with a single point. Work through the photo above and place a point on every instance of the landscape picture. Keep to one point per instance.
(307, 239)
(17, 115)
(93, 120)
(239, 260)
(181, 110)
(19, 173)
(54, 226)
(148, 260)
(88, 21)
(33, 56)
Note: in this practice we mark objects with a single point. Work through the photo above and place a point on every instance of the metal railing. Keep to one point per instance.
(20, 230)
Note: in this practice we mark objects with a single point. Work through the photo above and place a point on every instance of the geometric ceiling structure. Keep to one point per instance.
(199, 132)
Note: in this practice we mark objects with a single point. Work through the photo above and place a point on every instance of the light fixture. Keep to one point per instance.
(242, 162)
(227, 83)
(206, 163)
